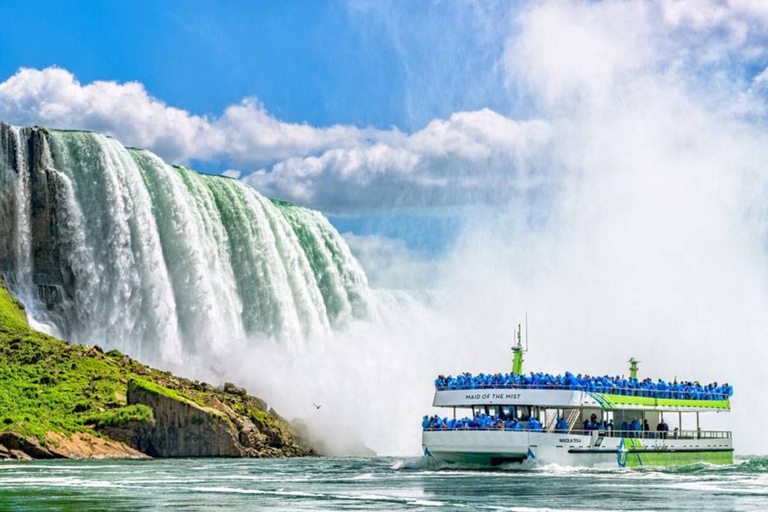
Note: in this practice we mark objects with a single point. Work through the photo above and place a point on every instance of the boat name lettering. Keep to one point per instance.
(494, 396)
(570, 440)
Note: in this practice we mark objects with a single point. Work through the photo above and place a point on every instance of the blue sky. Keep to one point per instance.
(322, 63)
(359, 64)
(297, 57)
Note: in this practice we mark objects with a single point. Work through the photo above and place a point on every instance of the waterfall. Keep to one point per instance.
(16, 209)
(160, 261)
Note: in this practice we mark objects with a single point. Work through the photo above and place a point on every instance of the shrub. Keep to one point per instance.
(122, 416)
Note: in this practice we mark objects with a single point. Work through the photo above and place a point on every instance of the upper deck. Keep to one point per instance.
(574, 398)
(579, 391)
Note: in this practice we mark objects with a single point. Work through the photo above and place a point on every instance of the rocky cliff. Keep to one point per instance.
(72, 401)
(208, 424)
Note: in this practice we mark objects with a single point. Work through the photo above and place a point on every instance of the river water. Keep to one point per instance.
(373, 484)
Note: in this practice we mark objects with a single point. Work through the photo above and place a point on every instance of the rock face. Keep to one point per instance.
(14, 444)
(53, 282)
(182, 428)
(230, 425)
(234, 390)
(78, 446)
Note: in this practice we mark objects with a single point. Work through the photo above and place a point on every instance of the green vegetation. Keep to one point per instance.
(12, 317)
(48, 385)
(122, 416)
(136, 383)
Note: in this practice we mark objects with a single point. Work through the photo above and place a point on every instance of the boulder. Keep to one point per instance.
(16, 443)
(234, 390)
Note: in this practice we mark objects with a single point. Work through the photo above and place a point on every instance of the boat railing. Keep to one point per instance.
(655, 434)
(679, 434)
(697, 394)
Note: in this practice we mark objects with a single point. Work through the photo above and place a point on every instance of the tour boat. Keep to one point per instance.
(514, 418)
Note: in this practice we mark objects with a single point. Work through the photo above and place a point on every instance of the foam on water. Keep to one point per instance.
(375, 484)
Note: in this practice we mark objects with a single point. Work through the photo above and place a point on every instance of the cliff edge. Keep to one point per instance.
(73, 401)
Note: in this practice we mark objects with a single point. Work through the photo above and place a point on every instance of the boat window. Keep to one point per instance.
(493, 410)
(524, 412)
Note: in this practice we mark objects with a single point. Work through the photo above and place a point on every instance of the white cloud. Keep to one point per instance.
(232, 173)
(471, 157)
(467, 157)
(709, 14)
(244, 135)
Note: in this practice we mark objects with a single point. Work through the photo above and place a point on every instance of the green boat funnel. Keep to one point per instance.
(517, 362)
(633, 367)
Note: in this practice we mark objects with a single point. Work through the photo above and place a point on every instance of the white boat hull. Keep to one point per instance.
(492, 447)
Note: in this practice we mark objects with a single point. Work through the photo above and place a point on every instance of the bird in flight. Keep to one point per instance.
(317, 406)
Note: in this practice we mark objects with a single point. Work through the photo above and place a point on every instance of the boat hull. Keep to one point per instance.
(492, 447)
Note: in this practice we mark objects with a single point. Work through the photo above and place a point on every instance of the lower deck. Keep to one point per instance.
(492, 447)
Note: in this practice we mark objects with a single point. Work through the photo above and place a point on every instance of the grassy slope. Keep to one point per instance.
(46, 384)
(49, 385)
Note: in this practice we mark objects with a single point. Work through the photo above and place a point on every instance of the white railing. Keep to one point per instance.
(655, 434)
(680, 434)
(637, 392)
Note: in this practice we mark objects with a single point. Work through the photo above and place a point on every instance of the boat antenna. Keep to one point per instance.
(526, 330)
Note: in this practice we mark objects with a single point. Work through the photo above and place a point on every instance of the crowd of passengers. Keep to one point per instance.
(480, 422)
(484, 421)
(612, 385)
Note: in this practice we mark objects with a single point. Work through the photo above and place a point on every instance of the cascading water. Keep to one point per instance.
(16, 186)
(159, 261)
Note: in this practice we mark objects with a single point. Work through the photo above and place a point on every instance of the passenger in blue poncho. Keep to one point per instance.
(687, 390)
(534, 425)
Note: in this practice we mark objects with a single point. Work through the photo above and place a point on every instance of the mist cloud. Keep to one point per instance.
(654, 242)
(648, 239)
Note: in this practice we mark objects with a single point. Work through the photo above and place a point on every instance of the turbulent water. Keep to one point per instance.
(111, 245)
(374, 484)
